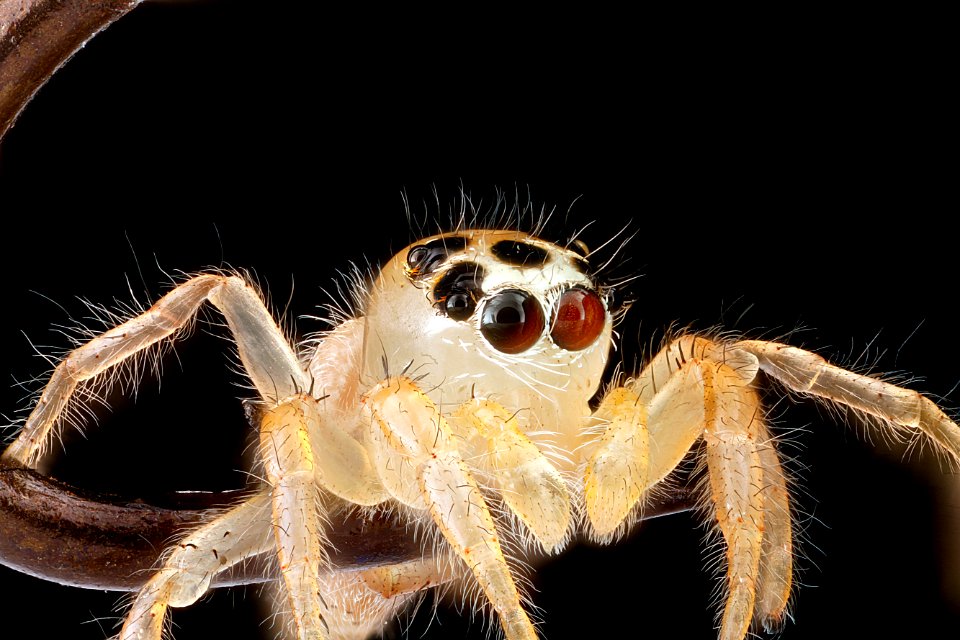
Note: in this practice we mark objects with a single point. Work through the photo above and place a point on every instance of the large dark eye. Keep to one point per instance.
(578, 320)
(512, 321)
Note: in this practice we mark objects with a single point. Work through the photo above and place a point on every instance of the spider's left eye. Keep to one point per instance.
(512, 321)
(578, 319)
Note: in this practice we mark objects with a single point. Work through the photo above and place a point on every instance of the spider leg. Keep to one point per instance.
(275, 371)
(615, 477)
(776, 551)
(405, 578)
(805, 372)
(652, 421)
(266, 355)
(732, 416)
(406, 420)
(290, 466)
(185, 576)
(529, 483)
(695, 387)
(363, 602)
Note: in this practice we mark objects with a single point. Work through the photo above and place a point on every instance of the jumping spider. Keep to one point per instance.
(459, 398)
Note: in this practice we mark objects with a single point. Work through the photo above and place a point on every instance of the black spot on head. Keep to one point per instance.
(423, 259)
(579, 247)
(458, 290)
(581, 265)
(520, 253)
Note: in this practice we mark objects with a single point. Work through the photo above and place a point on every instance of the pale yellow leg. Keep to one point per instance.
(653, 420)
(529, 483)
(290, 468)
(806, 372)
(267, 357)
(776, 553)
(673, 395)
(697, 387)
(363, 604)
(616, 474)
(240, 533)
(405, 578)
(409, 422)
(732, 415)
(671, 359)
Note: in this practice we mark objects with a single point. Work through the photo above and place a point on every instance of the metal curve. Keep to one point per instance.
(58, 533)
(38, 36)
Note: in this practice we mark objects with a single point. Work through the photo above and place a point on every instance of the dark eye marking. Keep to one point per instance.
(458, 290)
(423, 259)
(520, 253)
(581, 265)
(579, 247)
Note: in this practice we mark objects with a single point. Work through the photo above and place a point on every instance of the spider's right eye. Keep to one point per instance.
(512, 321)
(578, 320)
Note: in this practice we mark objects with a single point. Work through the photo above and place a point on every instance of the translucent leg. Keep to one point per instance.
(408, 422)
(529, 483)
(806, 372)
(776, 553)
(732, 418)
(240, 533)
(264, 351)
(288, 461)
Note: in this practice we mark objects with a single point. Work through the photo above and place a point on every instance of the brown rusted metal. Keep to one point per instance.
(56, 532)
(37, 36)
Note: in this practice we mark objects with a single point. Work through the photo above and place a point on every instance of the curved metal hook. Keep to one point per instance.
(38, 36)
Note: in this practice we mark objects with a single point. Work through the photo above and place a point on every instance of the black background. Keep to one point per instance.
(773, 183)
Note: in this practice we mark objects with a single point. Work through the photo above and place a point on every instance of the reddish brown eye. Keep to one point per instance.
(579, 319)
(512, 321)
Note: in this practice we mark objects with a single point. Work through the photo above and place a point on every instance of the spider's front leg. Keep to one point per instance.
(420, 465)
(301, 452)
(697, 388)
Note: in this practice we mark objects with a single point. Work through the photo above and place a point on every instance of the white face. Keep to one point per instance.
(490, 314)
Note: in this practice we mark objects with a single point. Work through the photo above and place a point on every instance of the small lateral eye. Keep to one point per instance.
(578, 319)
(512, 321)
(459, 306)
(423, 259)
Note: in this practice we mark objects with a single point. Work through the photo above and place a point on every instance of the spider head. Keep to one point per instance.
(489, 313)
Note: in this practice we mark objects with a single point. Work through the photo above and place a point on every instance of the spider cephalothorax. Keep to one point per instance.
(464, 397)
(492, 315)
